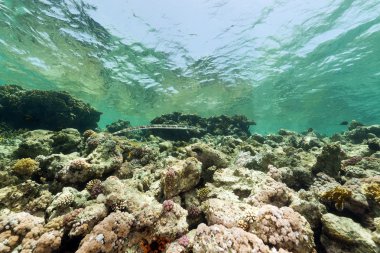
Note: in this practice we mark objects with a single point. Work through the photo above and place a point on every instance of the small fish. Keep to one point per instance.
(344, 123)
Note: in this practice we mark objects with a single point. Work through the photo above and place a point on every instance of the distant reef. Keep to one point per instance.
(50, 110)
(237, 125)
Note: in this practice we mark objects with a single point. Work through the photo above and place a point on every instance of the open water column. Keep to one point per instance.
(199, 126)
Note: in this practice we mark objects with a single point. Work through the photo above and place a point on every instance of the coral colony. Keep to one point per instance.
(182, 184)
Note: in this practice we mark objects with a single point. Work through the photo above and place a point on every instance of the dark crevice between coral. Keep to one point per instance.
(317, 239)
(69, 244)
(242, 193)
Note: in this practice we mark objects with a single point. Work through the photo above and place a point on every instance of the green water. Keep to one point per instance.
(285, 64)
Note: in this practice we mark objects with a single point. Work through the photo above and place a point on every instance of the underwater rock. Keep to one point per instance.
(259, 161)
(87, 219)
(34, 143)
(118, 125)
(329, 161)
(374, 144)
(66, 141)
(225, 212)
(180, 176)
(354, 124)
(296, 178)
(310, 141)
(207, 155)
(359, 134)
(309, 207)
(341, 234)
(109, 235)
(121, 192)
(154, 221)
(273, 192)
(52, 164)
(105, 158)
(229, 125)
(242, 184)
(22, 197)
(376, 233)
(51, 110)
(43, 142)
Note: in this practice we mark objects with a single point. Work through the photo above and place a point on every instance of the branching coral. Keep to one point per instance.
(203, 193)
(79, 164)
(25, 167)
(337, 196)
(168, 205)
(372, 191)
(95, 187)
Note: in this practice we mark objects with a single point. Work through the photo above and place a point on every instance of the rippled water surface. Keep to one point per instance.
(285, 64)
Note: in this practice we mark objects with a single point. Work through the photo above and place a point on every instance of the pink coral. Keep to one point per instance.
(217, 238)
(184, 241)
(168, 205)
(29, 232)
(194, 211)
(274, 173)
(274, 193)
(109, 235)
(284, 228)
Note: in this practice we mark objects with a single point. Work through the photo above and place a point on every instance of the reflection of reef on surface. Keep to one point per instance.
(35, 109)
(284, 192)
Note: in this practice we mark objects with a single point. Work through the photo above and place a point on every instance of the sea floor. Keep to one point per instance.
(72, 191)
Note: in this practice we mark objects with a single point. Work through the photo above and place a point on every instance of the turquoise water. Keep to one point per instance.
(285, 64)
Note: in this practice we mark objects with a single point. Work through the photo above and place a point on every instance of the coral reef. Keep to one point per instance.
(118, 125)
(37, 109)
(61, 191)
(220, 125)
